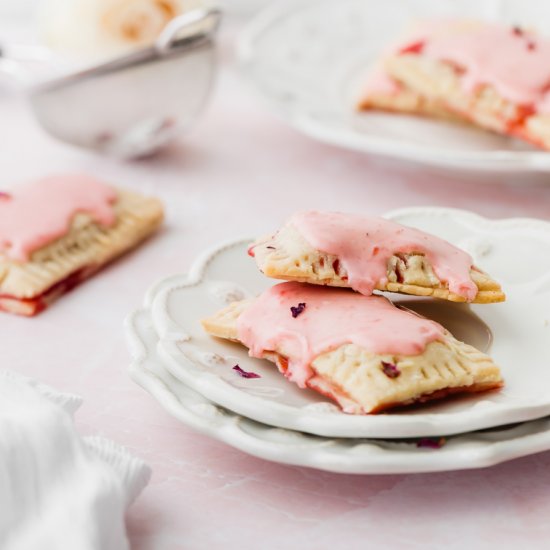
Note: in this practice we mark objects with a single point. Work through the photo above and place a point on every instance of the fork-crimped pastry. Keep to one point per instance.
(354, 363)
(346, 250)
(30, 282)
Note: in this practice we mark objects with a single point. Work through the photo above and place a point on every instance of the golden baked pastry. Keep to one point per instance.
(30, 282)
(289, 255)
(345, 339)
(384, 93)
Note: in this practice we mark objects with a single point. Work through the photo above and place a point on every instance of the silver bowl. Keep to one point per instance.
(134, 105)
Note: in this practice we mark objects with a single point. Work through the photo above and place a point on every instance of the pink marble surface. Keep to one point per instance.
(241, 172)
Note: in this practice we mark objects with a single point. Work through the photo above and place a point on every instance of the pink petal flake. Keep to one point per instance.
(390, 370)
(431, 442)
(518, 31)
(296, 310)
(245, 374)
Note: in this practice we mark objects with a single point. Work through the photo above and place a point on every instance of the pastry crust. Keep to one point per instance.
(406, 101)
(287, 255)
(355, 379)
(28, 287)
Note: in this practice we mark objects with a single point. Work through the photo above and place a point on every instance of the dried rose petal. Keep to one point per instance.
(4, 195)
(431, 442)
(390, 370)
(531, 45)
(518, 31)
(296, 310)
(251, 250)
(245, 374)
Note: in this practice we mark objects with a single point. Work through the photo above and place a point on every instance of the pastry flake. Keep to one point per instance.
(340, 350)
(369, 254)
(62, 250)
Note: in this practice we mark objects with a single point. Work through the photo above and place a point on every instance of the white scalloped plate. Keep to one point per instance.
(516, 252)
(353, 456)
(309, 58)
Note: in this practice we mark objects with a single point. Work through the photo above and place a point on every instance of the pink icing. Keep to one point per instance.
(364, 246)
(512, 60)
(37, 213)
(332, 317)
(379, 82)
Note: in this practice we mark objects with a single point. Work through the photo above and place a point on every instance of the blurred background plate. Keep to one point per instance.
(308, 59)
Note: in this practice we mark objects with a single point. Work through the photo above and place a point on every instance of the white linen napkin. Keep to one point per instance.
(57, 489)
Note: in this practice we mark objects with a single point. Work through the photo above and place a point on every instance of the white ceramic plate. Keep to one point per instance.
(357, 456)
(309, 58)
(516, 333)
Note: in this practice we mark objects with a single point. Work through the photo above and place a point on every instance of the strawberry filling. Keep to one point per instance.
(30, 307)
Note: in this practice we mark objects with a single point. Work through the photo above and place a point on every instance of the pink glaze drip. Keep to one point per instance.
(37, 213)
(364, 246)
(332, 317)
(513, 61)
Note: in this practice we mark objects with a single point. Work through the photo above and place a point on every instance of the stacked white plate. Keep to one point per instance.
(191, 374)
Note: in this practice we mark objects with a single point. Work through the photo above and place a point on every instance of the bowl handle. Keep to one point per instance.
(186, 28)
